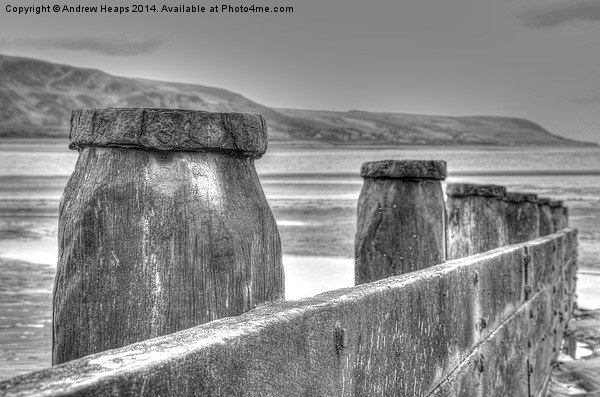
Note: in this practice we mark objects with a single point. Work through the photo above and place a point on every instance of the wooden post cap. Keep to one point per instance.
(169, 129)
(544, 200)
(515, 197)
(469, 189)
(405, 169)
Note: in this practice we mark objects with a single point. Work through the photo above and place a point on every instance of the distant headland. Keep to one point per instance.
(36, 99)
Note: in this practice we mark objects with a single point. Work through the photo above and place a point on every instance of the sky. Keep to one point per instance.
(537, 59)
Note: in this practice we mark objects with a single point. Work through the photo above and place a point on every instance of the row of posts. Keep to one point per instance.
(404, 224)
(164, 225)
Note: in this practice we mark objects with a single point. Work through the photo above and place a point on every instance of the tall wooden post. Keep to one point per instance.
(560, 215)
(476, 219)
(545, 222)
(163, 226)
(400, 218)
(522, 216)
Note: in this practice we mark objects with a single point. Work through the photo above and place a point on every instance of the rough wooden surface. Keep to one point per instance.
(478, 326)
(169, 129)
(516, 197)
(560, 215)
(522, 217)
(565, 216)
(470, 189)
(556, 203)
(152, 242)
(400, 227)
(405, 169)
(545, 216)
(476, 219)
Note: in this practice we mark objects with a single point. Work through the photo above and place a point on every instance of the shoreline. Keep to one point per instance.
(333, 144)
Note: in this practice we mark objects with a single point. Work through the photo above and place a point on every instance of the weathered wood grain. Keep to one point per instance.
(545, 218)
(522, 216)
(476, 219)
(400, 219)
(405, 169)
(560, 215)
(169, 129)
(152, 242)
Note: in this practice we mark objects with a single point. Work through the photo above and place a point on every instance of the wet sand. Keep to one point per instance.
(579, 374)
(25, 317)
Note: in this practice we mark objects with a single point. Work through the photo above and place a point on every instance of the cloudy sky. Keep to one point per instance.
(538, 59)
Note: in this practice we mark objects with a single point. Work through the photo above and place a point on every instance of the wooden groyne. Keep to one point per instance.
(473, 306)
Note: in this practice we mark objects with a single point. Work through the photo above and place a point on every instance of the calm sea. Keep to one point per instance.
(313, 194)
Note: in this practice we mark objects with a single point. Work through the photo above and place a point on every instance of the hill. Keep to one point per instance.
(36, 98)
(364, 127)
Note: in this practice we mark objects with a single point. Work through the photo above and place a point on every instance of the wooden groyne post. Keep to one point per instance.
(401, 218)
(162, 226)
(545, 221)
(476, 219)
(522, 216)
(560, 215)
